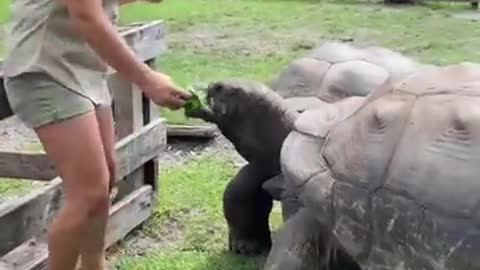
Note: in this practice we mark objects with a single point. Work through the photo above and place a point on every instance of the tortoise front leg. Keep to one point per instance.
(247, 209)
(304, 243)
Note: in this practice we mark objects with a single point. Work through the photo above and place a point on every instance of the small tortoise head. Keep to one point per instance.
(229, 99)
(223, 97)
(237, 98)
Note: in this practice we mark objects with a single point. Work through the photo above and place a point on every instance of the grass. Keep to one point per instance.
(190, 219)
(12, 187)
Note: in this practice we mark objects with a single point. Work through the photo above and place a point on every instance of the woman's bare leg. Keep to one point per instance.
(76, 148)
(95, 259)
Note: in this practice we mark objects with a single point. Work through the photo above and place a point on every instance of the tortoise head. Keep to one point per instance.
(230, 98)
(223, 100)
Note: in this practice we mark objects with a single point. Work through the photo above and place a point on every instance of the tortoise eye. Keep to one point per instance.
(217, 88)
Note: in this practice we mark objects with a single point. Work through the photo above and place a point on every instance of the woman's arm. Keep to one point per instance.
(95, 27)
(91, 22)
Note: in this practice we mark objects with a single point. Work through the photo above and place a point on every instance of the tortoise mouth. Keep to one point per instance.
(206, 94)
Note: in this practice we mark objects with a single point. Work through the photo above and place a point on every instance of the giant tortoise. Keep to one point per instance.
(394, 178)
(337, 70)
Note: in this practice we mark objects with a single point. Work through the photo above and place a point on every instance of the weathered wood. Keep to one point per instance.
(201, 131)
(26, 165)
(146, 39)
(133, 150)
(29, 255)
(22, 218)
(129, 213)
(139, 147)
(125, 215)
(130, 183)
(127, 108)
(134, 110)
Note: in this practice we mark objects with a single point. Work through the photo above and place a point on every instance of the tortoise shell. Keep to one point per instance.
(396, 174)
(335, 70)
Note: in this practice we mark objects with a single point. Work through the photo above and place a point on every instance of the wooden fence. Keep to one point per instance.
(141, 137)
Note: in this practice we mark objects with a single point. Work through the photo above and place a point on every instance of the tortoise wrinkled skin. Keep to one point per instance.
(395, 175)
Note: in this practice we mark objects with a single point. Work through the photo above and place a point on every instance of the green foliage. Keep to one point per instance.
(12, 187)
(197, 101)
(4, 11)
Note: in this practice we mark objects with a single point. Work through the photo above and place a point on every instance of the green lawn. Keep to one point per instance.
(255, 39)
(188, 224)
(12, 187)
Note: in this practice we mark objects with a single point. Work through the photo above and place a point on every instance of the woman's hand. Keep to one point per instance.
(163, 91)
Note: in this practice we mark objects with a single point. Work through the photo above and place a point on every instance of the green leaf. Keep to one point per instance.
(197, 102)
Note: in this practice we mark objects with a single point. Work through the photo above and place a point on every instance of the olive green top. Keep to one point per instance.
(41, 38)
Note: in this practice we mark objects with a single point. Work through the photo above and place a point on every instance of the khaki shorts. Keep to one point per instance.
(37, 100)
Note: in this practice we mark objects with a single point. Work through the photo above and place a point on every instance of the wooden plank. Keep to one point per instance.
(129, 183)
(201, 131)
(25, 165)
(139, 147)
(128, 115)
(129, 213)
(146, 39)
(29, 255)
(125, 215)
(24, 217)
(133, 110)
(127, 108)
(151, 112)
(132, 151)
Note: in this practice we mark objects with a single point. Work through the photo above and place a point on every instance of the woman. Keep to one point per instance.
(55, 82)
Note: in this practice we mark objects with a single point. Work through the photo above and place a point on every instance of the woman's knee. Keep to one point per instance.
(97, 203)
(90, 201)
